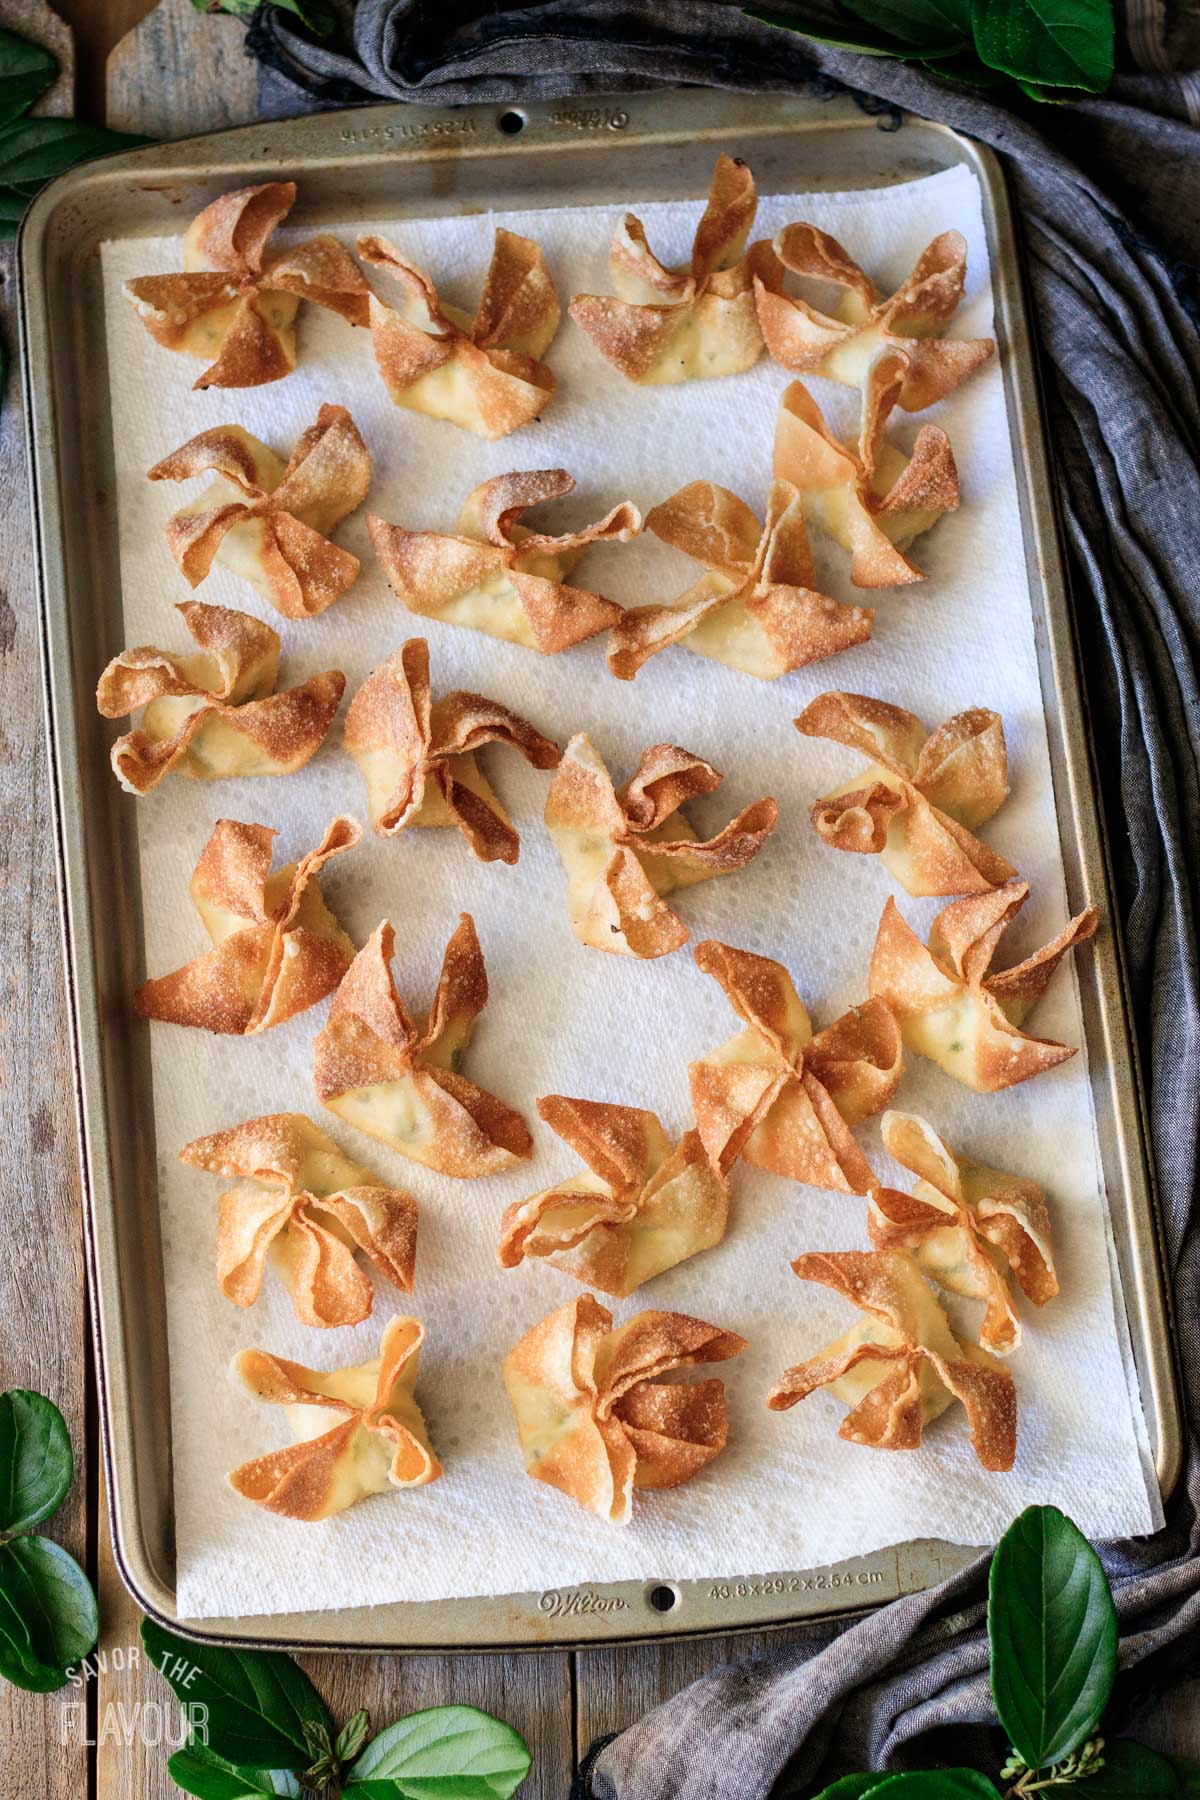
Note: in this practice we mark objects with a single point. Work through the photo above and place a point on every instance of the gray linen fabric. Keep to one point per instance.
(1108, 199)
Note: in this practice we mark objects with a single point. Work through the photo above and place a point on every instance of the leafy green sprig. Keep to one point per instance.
(313, 13)
(1051, 49)
(49, 1619)
(266, 1731)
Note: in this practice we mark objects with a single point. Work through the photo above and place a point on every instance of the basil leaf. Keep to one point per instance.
(919, 25)
(39, 149)
(352, 1736)
(937, 1784)
(258, 1701)
(18, 1663)
(853, 1787)
(455, 1752)
(35, 1459)
(27, 71)
(54, 1601)
(1131, 1772)
(198, 1770)
(1053, 1633)
(1049, 43)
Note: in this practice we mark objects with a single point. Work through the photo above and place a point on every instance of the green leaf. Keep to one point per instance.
(937, 1784)
(966, 70)
(198, 1770)
(1187, 1774)
(853, 1787)
(1053, 1632)
(1049, 43)
(352, 1736)
(444, 1753)
(27, 71)
(258, 1701)
(1131, 1772)
(57, 1619)
(35, 1459)
(919, 25)
(18, 1663)
(39, 149)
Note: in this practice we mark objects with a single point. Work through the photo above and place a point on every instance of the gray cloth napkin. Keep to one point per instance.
(1108, 198)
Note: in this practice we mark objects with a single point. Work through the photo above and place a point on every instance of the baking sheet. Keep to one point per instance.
(787, 1492)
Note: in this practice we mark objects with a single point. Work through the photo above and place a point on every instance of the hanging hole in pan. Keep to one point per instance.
(511, 122)
(662, 1597)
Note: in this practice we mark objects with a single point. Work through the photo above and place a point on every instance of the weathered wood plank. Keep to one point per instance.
(179, 72)
(43, 1345)
(125, 1763)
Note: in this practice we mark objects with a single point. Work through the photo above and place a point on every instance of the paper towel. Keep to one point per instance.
(787, 1492)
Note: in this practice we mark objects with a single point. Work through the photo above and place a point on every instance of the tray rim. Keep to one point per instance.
(307, 146)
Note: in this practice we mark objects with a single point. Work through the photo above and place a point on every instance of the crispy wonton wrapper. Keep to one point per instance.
(917, 805)
(843, 344)
(873, 501)
(497, 575)
(777, 1095)
(358, 1430)
(668, 325)
(643, 1208)
(901, 1366)
(213, 712)
(485, 373)
(419, 756)
(398, 1080)
(594, 1417)
(235, 306)
(277, 948)
(967, 1226)
(301, 1202)
(757, 608)
(623, 850)
(951, 1009)
(269, 521)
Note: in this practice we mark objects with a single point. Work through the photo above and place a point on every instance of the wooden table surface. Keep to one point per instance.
(168, 71)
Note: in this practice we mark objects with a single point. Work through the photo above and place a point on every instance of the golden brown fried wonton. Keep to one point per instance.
(643, 1208)
(901, 1366)
(668, 325)
(213, 712)
(843, 344)
(485, 373)
(377, 1439)
(593, 1417)
(873, 500)
(967, 1225)
(623, 850)
(235, 305)
(917, 805)
(757, 608)
(301, 1202)
(419, 755)
(277, 949)
(269, 521)
(777, 1095)
(497, 575)
(398, 1080)
(951, 1009)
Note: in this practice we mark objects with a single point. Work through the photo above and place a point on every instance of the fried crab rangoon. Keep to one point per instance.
(594, 1418)
(624, 849)
(299, 1202)
(483, 373)
(499, 576)
(277, 948)
(359, 1430)
(873, 500)
(213, 712)
(842, 345)
(235, 305)
(916, 807)
(643, 1207)
(757, 608)
(777, 1095)
(398, 1080)
(951, 1009)
(901, 1367)
(669, 325)
(967, 1226)
(268, 521)
(419, 756)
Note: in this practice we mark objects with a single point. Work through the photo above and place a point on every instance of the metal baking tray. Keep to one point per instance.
(422, 162)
